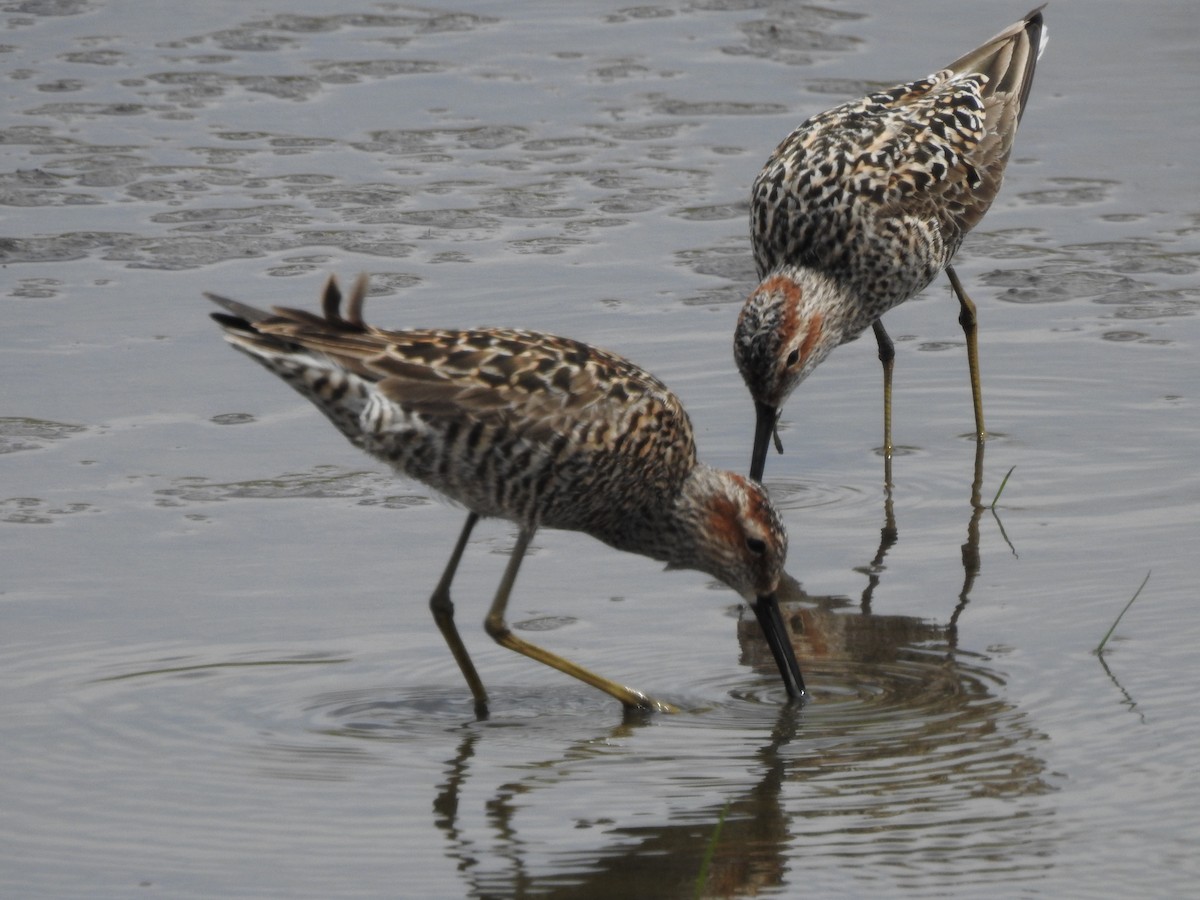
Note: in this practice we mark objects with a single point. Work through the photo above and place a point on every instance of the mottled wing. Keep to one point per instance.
(883, 163)
(539, 386)
(918, 164)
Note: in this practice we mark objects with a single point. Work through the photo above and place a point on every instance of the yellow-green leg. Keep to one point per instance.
(968, 320)
(443, 614)
(502, 634)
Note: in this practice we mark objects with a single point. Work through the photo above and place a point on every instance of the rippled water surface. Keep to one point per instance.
(220, 675)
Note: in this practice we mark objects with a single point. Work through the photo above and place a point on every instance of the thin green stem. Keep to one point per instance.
(702, 878)
(1000, 490)
(1113, 628)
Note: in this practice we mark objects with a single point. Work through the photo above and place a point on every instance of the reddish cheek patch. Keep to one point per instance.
(813, 337)
(787, 289)
(722, 521)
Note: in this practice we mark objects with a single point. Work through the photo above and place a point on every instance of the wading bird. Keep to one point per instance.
(536, 429)
(861, 206)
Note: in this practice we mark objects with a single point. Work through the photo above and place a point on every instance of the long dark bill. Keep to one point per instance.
(776, 633)
(764, 427)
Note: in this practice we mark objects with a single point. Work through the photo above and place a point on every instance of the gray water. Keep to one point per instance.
(219, 673)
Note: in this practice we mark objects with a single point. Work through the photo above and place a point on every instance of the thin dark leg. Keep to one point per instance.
(887, 355)
(443, 614)
(969, 322)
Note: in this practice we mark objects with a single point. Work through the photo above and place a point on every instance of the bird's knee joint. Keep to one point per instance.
(441, 604)
(497, 629)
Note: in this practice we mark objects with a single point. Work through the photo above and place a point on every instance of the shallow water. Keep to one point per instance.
(220, 675)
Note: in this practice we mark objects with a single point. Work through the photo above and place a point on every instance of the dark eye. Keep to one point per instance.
(755, 546)
(793, 357)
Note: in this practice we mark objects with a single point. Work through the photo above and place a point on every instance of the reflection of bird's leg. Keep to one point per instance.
(502, 635)
(445, 802)
(970, 550)
(967, 319)
(443, 615)
(888, 535)
(887, 354)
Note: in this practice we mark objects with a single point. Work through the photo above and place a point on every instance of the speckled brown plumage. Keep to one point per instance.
(529, 427)
(861, 206)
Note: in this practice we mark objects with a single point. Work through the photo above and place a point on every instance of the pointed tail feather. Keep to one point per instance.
(1009, 59)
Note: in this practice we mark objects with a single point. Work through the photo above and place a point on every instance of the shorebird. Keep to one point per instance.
(861, 206)
(536, 429)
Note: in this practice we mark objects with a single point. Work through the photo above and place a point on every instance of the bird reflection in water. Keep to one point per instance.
(824, 631)
(897, 773)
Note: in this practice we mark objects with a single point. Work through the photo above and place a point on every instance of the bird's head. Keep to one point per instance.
(787, 326)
